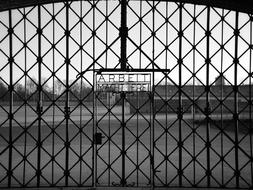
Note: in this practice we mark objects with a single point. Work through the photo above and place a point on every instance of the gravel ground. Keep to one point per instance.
(140, 139)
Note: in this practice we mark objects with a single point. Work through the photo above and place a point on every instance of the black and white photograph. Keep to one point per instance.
(126, 94)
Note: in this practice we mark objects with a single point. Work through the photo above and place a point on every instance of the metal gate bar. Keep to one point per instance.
(10, 116)
(235, 116)
(67, 108)
(180, 107)
(207, 109)
(39, 105)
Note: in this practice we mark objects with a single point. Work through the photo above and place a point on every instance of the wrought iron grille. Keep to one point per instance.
(194, 129)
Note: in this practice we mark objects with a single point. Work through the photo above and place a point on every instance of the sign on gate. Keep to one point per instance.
(123, 82)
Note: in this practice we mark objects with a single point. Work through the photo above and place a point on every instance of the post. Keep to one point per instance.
(207, 91)
(10, 117)
(39, 105)
(123, 152)
(123, 65)
(67, 109)
(123, 35)
(235, 89)
(180, 108)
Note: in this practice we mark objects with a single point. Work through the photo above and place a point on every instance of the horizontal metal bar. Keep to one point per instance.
(226, 4)
(99, 71)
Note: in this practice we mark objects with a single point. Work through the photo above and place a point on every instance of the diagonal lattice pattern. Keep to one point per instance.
(194, 129)
(197, 44)
(52, 122)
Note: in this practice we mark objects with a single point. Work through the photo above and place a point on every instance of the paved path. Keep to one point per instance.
(27, 115)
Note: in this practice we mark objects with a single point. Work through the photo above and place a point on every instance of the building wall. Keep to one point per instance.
(221, 99)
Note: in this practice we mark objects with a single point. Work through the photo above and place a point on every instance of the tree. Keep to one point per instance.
(31, 85)
(58, 87)
(3, 90)
(45, 86)
(220, 80)
(20, 90)
(75, 90)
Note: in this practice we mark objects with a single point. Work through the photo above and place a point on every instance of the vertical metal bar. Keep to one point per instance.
(235, 117)
(180, 108)
(138, 94)
(25, 140)
(95, 124)
(152, 151)
(140, 34)
(106, 33)
(152, 93)
(137, 135)
(207, 90)
(67, 109)
(222, 89)
(94, 147)
(53, 124)
(123, 152)
(194, 93)
(9, 173)
(166, 95)
(123, 64)
(80, 95)
(152, 117)
(109, 101)
(123, 35)
(250, 98)
(39, 104)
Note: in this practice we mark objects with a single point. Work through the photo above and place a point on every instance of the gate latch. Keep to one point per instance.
(98, 138)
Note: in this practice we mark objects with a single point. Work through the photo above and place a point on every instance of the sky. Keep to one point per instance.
(161, 46)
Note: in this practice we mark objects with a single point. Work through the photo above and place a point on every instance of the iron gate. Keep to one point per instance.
(194, 129)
